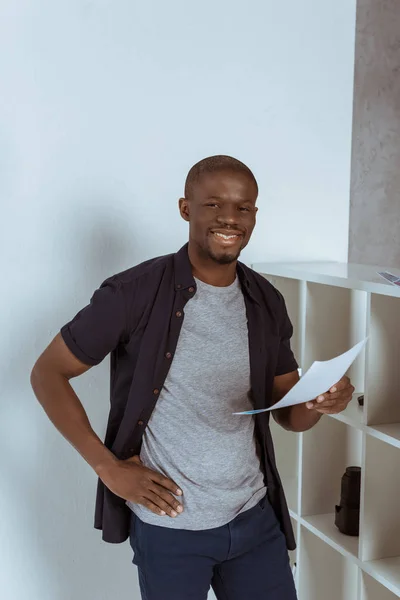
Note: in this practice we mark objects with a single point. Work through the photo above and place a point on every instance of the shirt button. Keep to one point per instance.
(168, 355)
(140, 422)
(191, 290)
(178, 287)
(178, 313)
(156, 391)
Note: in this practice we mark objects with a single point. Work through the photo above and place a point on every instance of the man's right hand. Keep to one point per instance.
(132, 481)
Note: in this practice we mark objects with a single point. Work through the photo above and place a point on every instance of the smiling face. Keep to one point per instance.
(221, 212)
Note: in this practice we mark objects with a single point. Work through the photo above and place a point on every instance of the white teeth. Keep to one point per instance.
(226, 237)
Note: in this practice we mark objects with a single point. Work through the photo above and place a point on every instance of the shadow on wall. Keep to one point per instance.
(50, 491)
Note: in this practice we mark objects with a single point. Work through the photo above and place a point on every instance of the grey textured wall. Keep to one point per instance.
(375, 183)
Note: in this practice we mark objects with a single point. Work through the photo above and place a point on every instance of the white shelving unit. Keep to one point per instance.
(332, 307)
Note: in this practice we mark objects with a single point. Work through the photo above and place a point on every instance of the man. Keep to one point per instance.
(194, 337)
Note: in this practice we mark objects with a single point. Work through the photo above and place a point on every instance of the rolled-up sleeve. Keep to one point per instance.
(286, 359)
(98, 328)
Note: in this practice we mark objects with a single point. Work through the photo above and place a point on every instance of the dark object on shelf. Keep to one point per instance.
(361, 400)
(347, 515)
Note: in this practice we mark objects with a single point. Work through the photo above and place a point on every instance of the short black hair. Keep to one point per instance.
(214, 164)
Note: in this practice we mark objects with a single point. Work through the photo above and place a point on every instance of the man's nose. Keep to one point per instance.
(228, 216)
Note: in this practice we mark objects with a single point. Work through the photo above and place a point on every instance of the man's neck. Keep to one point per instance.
(211, 272)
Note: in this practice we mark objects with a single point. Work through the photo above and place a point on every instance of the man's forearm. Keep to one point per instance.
(67, 414)
(297, 418)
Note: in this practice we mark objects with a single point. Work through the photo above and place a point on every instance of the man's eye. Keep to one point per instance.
(212, 204)
(244, 209)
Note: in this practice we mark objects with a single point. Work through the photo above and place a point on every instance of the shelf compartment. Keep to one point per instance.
(324, 527)
(336, 319)
(353, 415)
(390, 434)
(292, 292)
(371, 589)
(325, 573)
(381, 522)
(383, 382)
(328, 449)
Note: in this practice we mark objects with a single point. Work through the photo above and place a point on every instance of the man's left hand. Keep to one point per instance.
(334, 401)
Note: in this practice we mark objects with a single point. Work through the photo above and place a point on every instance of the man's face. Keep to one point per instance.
(222, 214)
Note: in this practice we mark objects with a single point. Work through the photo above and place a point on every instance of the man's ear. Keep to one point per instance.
(184, 209)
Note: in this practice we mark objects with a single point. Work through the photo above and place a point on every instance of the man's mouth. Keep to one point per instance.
(227, 238)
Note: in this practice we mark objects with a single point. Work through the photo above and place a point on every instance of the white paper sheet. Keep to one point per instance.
(320, 377)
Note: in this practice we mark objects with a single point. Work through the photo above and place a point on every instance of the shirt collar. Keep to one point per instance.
(184, 278)
(183, 269)
(246, 283)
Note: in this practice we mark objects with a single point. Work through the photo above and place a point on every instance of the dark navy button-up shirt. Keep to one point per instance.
(137, 316)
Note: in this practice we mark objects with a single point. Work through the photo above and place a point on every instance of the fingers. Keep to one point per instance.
(163, 507)
(332, 398)
(331, 403)
(168, 502)
(323, 401)
(153, 507)
(341, 385)
(160, 493)
(328, 400)
(166, 483)
(336, 403)
(157, 477)
(320, 405)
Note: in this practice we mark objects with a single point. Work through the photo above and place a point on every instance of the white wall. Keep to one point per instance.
(104, 106)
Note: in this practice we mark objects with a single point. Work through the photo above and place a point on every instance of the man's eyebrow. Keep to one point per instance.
(221, 198)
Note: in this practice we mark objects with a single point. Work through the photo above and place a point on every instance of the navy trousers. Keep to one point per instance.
(246, 559)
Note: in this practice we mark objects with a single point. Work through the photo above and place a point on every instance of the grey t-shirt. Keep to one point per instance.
(192, 436)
